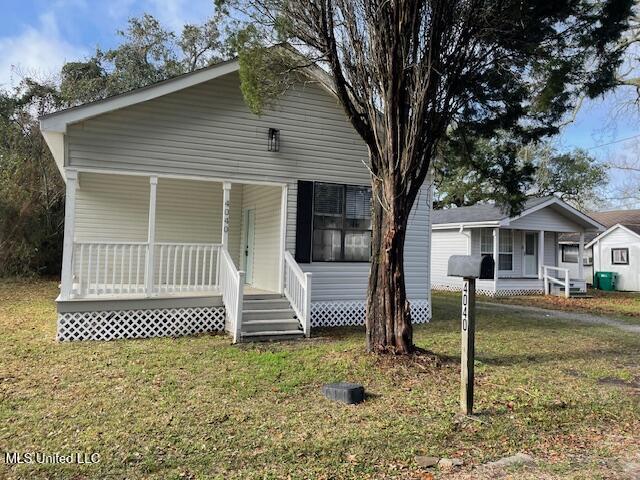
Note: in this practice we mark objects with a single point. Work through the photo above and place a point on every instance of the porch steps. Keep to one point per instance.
(268, 317)
(574, 290)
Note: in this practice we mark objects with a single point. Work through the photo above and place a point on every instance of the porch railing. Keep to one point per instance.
(297, 289)
(553, 279)
(231, 287)
(116, 268)
(186, 267)
(104, 268)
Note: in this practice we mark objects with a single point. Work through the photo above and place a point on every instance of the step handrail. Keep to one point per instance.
(547, 278)
(297, 289)
(231, 286)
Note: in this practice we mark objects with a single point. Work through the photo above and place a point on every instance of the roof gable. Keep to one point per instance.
(490, 214)
(632, 229)
(58, 121)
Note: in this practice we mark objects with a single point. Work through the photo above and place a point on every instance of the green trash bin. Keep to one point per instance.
(606, 281)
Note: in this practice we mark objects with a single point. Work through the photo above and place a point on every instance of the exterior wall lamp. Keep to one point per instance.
(274, 140)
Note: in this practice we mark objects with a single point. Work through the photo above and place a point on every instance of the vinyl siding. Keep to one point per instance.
(548, 219)
(348, 281)
(628, 275)
(208, 130)
(112, 207)
(266, 201)
(445, 243)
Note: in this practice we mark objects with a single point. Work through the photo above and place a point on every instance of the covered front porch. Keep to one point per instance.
(144, 236)
(149, 239)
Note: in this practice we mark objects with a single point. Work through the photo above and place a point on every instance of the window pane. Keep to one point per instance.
(328, 199)
(506, 241)
(486, 241)
(620, 256)
(569, 254)
(326, 245)
(505, 261)
(327, 221)
(358, 207)
(357, 246)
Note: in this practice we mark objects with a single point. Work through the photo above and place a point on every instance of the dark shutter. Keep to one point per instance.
(304, 219)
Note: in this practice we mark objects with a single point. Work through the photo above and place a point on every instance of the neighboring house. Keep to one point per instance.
(615, 250)
(525, 247)
(187, 213)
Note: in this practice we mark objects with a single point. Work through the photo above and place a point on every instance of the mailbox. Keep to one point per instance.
(471, 266)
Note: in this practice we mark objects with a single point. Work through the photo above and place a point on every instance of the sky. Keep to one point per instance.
(38, 36)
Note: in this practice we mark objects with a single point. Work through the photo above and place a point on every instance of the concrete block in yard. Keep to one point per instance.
(344, 392)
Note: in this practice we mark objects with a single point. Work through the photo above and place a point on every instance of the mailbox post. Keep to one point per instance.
(469, 268)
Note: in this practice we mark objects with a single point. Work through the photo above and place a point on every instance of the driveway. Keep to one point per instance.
(563, 315)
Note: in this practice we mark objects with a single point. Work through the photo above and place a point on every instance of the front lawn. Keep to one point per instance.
(197, 407)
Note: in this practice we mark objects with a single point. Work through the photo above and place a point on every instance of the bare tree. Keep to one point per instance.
(406, 71)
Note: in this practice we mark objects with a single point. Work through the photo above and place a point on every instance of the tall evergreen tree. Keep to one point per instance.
(409, 73)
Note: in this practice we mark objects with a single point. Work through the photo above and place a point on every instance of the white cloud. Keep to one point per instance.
(37, 51)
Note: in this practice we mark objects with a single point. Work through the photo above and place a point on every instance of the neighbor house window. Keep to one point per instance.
(620, 256)
(569, 254)
(341, 223)
(505, 247)
(505, 250)
(486, 242)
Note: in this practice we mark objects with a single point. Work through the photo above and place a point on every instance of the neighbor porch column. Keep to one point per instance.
(69, 233)
(581, 256)
(226, 207)
(496, 257)
(151, 237)
(540, 253)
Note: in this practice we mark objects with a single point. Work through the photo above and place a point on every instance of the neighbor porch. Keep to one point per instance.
(526, 262)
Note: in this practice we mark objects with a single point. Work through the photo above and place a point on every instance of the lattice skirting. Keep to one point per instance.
(502, 292)
(337, 314)
(165, 322)
(457, 288)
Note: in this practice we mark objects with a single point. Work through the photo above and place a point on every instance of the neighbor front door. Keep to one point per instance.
(530, 258)
(249, 237)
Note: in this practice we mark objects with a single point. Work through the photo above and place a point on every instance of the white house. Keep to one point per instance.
(615, 250)
(525, 247)
(186, 213)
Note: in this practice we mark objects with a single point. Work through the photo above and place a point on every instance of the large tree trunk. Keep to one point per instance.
(388, 316)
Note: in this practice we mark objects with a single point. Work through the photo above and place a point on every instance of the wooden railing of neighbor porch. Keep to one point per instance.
(232, 288)
(122, 268)
(549, 279)
(297, 289)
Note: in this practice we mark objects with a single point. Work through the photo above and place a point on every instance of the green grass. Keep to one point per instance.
(198, 407)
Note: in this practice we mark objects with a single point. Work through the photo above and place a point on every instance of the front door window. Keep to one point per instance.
(530, 254)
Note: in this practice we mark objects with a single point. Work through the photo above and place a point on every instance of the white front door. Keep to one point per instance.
(530, 254)
(249, 236)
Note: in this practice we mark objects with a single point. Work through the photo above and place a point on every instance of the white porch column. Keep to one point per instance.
(226, 207)
(283, 235)
(496, 257)
(581, 256)
(69, 234)
(540, 253)
(151, 237)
